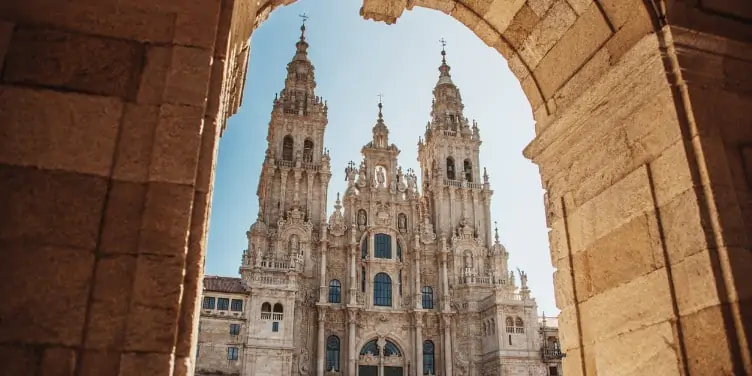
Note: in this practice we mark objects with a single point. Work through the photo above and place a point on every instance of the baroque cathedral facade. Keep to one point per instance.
(406, 276)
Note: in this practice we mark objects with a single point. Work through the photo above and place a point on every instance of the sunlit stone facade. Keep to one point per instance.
(400, 279)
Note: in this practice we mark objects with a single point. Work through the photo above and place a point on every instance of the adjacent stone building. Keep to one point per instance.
(396, 281)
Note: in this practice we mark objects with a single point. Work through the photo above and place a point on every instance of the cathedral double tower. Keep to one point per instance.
(404, 277)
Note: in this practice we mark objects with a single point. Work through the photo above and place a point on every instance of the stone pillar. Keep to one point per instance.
(321, 345)
(352, 352)
(416, 278)
(283, 191)
(323, 285)
(487, 222)
(451, 202)
(354, 283)
(446, 329)
(419, 344)
(298, 174)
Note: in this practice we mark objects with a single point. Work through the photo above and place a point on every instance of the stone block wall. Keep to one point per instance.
(112, 112)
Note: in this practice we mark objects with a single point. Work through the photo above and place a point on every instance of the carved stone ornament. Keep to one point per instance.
(337, 226)
(383, 217)
(304, 362)
(295, 217)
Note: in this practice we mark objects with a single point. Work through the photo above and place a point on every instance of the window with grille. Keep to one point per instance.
(236, 305)
(232, 353)
(382, 290)
(234, 329)
(223, 304)
(209, 302)
(275, 326)
(383, 246)
(427, 297)
(429, 358)
(332, 353)
(335, 291)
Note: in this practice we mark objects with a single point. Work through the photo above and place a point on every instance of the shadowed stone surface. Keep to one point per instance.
(643, 139)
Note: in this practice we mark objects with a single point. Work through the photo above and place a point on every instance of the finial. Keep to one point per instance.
(496, 231)
(381, 97)
(443, 49)
(304, 17)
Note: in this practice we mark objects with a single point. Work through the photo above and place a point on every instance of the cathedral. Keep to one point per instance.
(406, 276)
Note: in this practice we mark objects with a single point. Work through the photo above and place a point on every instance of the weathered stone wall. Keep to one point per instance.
(213, 340)
(112, 114)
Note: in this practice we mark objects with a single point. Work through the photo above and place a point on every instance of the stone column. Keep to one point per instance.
(324, 189)
(283, 191)
(321, 346)
(444, 281)
(352, 352)
(418, 344)
(416, 278)
(322, 272)
(487, 208)
(353, 275)
(452, 193)
(310, 175)
(446, 328)
(296, 191)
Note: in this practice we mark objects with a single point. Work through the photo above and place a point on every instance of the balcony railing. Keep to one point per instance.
(551, 354)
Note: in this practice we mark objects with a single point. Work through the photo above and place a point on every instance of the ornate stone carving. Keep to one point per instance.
(337, 226)
(304, 362)
(383, 215)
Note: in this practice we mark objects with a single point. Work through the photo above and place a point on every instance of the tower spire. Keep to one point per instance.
(444, 77)
(381, 117)
(304, 18)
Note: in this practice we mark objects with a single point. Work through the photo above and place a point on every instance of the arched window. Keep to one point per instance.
(308, 150)
(429, 358)
(390, 349)
(287, 146)
(335, 291)
(519, 326)
(510, 325)
(427, 295)
(468, 170)
(382, 290)
(370, 348)
(450, 168)
(383, 246)
(266, 311)
(278, 308)
(332, 353)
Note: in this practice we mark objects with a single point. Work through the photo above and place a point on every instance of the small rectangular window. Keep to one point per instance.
(510, 340)
(553, 371)
(275, 326)
(232, 353)
(234, 329)
(223, 304)
(209, 302)
(237, 305)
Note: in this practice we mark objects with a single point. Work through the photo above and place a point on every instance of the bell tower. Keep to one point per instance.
(455, 196)
(296, 168)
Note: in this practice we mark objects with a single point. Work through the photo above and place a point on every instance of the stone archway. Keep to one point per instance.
(112, 111)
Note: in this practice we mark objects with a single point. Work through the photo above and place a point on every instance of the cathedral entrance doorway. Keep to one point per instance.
(381, 357)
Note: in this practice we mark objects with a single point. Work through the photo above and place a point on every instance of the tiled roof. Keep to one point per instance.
(224, 284)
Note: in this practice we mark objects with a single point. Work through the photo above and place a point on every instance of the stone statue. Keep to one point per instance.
(380, 177)
(304, 362)
(294, 244)
(402, 221)
(523, 278)
(361, 217)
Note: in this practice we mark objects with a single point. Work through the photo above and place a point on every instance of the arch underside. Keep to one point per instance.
(642, 141)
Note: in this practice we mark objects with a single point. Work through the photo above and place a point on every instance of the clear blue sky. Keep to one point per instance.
(356, 60)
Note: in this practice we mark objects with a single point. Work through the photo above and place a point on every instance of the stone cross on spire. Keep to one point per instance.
(381, 98)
